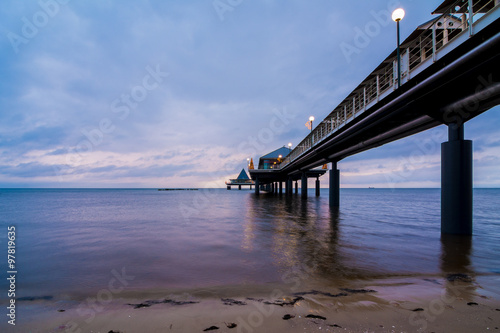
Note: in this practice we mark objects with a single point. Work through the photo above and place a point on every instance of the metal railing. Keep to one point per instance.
(459, 19)
(239, 181)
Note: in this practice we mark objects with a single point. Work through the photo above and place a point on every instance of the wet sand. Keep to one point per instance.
(456, 303)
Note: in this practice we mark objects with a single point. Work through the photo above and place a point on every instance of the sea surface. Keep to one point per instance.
(75, 241)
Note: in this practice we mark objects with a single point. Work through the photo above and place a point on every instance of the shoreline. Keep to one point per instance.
(407, 304)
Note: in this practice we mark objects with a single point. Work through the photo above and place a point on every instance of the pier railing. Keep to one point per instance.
(239, 182)
(422, 48)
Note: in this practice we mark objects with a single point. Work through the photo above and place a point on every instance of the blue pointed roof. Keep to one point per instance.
(283, 151)
(243, 175)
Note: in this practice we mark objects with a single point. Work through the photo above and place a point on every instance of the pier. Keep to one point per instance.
(446, 72)
(241, 180)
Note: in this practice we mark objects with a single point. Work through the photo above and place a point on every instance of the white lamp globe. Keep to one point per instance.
(398, 14)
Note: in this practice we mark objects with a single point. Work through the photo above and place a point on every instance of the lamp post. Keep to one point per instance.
(248, 161)
(397, 15)
(311, 119)
(290, 145)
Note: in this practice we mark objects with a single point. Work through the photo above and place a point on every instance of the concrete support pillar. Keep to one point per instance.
(228, 187)
(456, 183)
(303, 185)
(257, 186)
(289, 185)
(239, 187)
(272, 188)
(334, 186)
(280, 187)
(317, 186)
(296, 187)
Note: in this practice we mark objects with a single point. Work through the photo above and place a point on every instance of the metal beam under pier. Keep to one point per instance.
(456, 183)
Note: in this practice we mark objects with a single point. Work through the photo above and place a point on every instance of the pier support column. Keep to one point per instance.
(456, 183)
(317, 186)
(280, 187)
(239, 187)
(289, 186)
(296, 187)
(303, 185)
(272, 188)
(334, 186)
(257, 186)
(228, 187)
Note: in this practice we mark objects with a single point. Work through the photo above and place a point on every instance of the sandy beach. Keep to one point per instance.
(455, 303)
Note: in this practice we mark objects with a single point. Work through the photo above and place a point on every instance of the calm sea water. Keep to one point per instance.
(70, 241)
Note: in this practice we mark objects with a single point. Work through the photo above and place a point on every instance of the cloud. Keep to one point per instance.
(27, 170)
(60, 151)
(225, 79)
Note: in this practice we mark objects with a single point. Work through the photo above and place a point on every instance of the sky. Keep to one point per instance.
(160, 94)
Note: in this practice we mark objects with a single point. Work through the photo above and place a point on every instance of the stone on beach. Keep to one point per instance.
(315, 317)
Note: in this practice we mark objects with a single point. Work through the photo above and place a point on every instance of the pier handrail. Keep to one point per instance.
(417, 53)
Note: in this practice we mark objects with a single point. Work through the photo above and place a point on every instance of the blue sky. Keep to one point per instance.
(175, 93)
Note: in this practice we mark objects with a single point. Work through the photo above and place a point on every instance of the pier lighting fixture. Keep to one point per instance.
(248, 161)
(397, 15)
(279, 158)
(311, 119)
(289, 145)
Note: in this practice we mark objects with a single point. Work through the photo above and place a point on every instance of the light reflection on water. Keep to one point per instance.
(70, 240)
